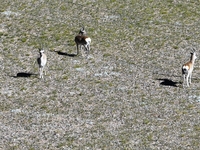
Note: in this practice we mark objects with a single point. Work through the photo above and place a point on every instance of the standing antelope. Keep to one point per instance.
(82, 40)
(42, 60)
(188, 68)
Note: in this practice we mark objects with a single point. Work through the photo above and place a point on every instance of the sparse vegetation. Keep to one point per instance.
(126, 95)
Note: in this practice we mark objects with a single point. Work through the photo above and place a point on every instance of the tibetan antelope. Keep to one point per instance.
(82, 40)
(187, 69)
(42, 60)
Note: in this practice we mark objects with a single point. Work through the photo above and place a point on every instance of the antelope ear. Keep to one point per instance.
(41, 50)
(82, 29)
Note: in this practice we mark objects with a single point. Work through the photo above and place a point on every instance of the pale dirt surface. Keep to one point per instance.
(126, 94)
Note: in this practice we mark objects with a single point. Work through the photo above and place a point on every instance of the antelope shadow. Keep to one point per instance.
(168, 82)
(66, 54)
(23, 75)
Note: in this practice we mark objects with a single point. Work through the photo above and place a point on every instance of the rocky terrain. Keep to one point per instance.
(126, 94)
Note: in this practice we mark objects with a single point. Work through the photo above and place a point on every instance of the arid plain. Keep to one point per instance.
(127, 94)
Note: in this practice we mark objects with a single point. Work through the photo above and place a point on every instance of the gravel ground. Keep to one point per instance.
(127, 94)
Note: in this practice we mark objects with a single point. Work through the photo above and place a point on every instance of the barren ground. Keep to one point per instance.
(126, 94)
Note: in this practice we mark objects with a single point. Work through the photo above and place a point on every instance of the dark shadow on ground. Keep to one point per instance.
(23, 75)
(66, 54)
(168, 82)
